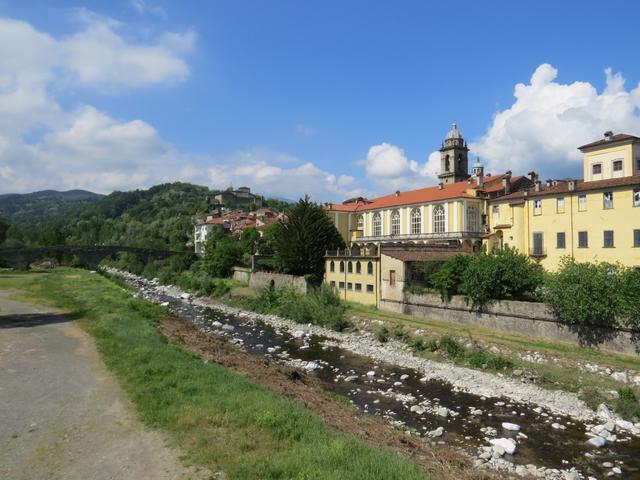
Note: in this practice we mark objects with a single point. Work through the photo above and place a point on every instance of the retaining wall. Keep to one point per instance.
(278, 280)
(242, 274)
(525, 318)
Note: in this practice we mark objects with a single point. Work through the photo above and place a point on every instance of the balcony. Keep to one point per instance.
(420, 236)
(538, 252)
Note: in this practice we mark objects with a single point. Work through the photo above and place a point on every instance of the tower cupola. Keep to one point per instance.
(454, 157)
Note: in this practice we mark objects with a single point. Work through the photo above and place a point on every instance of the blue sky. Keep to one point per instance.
(328, 98)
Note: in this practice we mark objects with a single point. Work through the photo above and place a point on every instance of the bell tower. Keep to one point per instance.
(454, 157)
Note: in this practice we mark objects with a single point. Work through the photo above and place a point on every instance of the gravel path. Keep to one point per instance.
(63, 414)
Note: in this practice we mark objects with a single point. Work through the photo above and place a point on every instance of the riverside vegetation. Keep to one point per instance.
(257, 433)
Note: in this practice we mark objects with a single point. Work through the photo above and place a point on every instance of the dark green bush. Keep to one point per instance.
(320, 307)
(448, 278)
(630, 296)
(582, 293)
(382, 334)
(502, 275)
(451, 347)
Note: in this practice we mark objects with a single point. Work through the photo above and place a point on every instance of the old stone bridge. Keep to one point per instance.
(88, 255)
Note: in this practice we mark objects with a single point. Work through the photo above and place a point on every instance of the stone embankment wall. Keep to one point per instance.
(525, 318)
(242, 274)
(265, 279)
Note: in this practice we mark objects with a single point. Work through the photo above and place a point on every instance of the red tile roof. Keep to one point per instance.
(423, 195)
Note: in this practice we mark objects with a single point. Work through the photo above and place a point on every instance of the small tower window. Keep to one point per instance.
(447, 164)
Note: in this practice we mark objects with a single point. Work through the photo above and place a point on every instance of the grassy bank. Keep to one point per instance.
(220, 419)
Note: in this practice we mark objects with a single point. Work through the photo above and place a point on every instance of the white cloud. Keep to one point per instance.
(256, 168)
(388, 167)
(549, 120)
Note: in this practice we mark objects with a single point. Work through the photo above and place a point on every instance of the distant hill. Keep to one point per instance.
(25, 208)
(159, 217)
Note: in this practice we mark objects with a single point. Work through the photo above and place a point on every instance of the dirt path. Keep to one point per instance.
(442, 462)
(63, 416)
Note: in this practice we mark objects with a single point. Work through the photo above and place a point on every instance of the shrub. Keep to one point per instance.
(630, 296)
(584, 293)
(448, 278)
(502, 275)
(320, 307)
(382, 334)
(451, 347)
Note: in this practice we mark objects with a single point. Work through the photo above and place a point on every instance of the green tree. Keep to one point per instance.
(448, 279)
(503, 274)
(301, 242)
(221, 254)
(4, 226)
(630, 296)
(583, 293)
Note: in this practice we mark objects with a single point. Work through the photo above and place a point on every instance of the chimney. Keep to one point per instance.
(397, 193)
(533, 176)
(548, 182)
(440, 185)
(571, 185)
(608, 135)
(537, 185)
(506, 182)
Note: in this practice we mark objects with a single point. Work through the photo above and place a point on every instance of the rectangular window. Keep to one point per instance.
(538, 244)
(560, 205)
(333, 284)
(582, 203)
(349, 286)
(596, 169)
(617, 165)
(636, 237)
(636, 197)
(561, 240)
(369, 288)
(358, 287)
(608, 239)
(537, 207)
(341, 285)
(583, 240)
(392, 278)
(607, 200)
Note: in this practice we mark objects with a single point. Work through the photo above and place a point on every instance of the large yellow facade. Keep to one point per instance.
(596, 219)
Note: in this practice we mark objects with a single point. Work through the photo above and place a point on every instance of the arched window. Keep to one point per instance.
(358, 267)
(370, 268)
(473, 218)
(350, 267)
(395, 222)
(459, 162)
(438, 219)
(447, 163)
(332, 266)
(360, 222)
(416, 221)
(377, 224)
(341, 267)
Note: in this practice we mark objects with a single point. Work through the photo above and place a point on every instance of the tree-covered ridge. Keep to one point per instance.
(159, 217)
(41, 207)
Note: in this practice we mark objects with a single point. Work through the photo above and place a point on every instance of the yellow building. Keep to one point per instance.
(594, 219)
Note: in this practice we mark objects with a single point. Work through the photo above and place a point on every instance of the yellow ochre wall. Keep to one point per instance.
(622, 219)
(364, 279)
(605, 156)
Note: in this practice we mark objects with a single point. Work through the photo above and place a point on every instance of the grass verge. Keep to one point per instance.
(220, 419)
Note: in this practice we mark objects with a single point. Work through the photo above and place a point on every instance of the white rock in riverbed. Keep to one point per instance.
(506, 443)
(604, 412)
(511, 426)
(597, 442)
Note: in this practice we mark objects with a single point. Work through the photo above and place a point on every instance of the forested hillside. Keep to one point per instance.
(160, 217)
(40, 207)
